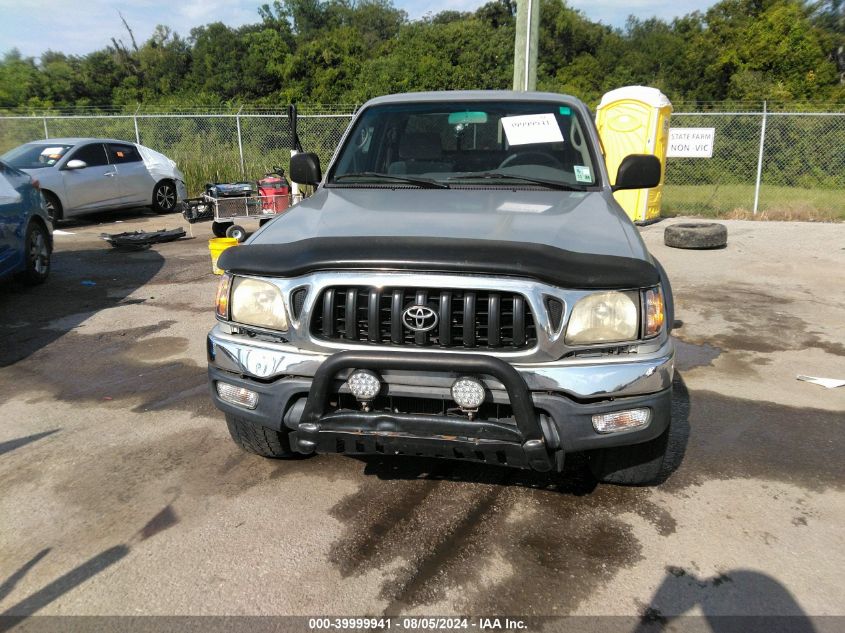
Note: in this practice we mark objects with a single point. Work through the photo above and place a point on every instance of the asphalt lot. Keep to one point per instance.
(122, 494)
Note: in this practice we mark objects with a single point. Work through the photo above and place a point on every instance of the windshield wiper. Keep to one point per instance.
(497, 175)
(420, 182)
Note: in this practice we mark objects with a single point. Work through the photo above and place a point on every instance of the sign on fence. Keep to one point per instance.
(691, 142)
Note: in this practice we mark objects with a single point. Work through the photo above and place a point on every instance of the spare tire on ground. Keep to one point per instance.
(696, 235)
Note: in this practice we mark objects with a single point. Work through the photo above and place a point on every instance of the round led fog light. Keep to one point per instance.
(363, 384)
(468, 393)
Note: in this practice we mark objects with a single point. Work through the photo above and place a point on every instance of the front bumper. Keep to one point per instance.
(552, 403)
(583, 379)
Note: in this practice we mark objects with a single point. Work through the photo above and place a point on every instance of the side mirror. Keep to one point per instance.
(638, 171)
(76, 164)
(305, 169)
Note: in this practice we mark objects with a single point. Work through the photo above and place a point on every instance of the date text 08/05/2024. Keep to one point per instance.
(416, 623)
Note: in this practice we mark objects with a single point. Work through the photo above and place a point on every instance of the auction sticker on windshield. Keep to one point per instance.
(531, 128)
(582, 173)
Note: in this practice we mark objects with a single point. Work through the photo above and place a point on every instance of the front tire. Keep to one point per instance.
(635, 465)
(165, 197)
(37, 253)
(259, 439)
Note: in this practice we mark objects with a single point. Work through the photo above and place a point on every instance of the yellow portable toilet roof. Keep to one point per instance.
(650, 96)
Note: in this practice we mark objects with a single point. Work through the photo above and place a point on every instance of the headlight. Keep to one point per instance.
(604, 317)
(258, 303)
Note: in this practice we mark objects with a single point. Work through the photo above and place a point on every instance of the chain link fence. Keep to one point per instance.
(783, 162)
(209, 147)
(787, 163)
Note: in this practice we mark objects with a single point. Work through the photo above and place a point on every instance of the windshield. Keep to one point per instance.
(35, 155)
(500, 144)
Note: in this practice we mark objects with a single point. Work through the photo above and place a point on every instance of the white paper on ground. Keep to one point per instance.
(830, 383)
(60, 232)
(531, 128)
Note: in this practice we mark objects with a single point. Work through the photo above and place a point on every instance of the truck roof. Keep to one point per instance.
(471, 95)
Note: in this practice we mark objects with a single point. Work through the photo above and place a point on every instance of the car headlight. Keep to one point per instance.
(604, 317)
(259, 303)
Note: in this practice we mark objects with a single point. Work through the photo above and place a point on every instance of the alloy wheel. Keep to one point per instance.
(166, 197)
(39, 254)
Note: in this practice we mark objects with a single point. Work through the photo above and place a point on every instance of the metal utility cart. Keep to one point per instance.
(228, 205)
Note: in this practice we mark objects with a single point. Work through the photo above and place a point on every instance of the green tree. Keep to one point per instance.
(19, 80)
(350, 50)
(164, 61)
(217, 53)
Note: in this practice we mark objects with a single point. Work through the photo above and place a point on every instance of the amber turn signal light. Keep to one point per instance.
(655, 312)
(223, 288)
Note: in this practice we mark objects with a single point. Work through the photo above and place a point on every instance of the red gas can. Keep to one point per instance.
(274, 190)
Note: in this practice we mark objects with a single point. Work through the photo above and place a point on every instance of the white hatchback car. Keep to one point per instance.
(83, 175)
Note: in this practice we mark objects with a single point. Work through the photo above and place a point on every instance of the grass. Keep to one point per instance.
(733, 201)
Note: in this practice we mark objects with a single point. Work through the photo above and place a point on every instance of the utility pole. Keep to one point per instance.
(525, 45)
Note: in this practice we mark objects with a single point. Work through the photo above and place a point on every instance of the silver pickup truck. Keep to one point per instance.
(462, 284)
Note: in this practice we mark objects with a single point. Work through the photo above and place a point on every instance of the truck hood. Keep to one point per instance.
(581, 222)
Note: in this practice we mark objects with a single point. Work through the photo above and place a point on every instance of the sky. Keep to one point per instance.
(81, 26)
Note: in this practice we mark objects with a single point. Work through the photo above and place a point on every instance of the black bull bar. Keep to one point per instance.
(419, 434)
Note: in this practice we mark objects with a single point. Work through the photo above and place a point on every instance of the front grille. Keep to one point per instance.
(297, 301)
(468, 319)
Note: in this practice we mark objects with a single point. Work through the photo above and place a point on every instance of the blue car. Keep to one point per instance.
(26, 233)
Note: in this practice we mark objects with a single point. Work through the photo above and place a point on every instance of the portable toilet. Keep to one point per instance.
(635, 120)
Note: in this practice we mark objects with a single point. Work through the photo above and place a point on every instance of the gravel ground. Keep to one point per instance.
(122, 494)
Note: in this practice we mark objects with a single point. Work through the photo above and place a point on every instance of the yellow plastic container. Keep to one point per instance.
(216, 246)
(635, 120)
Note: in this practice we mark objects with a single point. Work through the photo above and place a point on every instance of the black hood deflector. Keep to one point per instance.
(545, 263)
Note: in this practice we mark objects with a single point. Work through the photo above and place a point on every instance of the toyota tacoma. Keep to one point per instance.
(461, 284)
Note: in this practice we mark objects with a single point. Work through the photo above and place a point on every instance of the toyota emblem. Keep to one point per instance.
(419, 318)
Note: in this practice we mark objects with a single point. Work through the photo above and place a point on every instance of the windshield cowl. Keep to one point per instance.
(426, 183)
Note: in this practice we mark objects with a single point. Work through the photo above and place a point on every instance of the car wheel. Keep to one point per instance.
(259, 439)
(37, 253)
(164, 197)
(237, 232)
(696, 235)
(53, 206)
(635, 465)
(219, 228)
